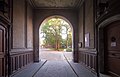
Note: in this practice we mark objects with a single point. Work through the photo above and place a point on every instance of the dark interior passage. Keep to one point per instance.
(95, 38)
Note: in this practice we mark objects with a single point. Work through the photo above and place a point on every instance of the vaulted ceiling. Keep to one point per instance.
(56, 3)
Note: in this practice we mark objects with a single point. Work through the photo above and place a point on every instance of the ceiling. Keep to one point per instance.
(55, 3)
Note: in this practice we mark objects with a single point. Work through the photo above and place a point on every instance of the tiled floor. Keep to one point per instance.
(56, 69)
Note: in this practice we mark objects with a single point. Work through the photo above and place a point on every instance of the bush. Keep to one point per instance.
(69, 50)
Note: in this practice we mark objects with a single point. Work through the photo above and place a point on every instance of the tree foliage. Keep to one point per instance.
(53, 30)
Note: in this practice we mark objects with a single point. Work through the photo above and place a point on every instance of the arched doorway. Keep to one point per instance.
(108, 45)
(55, 39)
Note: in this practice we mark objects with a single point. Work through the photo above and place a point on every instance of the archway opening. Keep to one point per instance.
(55, 39)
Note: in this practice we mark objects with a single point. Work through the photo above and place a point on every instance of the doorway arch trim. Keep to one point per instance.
(101, 51)
(63, 18)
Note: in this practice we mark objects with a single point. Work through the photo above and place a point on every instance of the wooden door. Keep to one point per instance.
(2, 51)
(112, 32)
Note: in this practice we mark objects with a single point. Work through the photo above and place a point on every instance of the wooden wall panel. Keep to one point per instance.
(0, 40)
(20, 60)
(2, 51)
(88, 59)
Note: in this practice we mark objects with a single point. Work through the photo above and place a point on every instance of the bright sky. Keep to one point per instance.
(64, 35)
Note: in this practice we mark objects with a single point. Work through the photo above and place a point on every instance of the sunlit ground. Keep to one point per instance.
(49, 54)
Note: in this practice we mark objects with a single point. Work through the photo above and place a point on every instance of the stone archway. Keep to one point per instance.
(45, 50)
(72, 21)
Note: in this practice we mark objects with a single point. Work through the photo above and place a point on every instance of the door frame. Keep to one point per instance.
(6, 26)
(101, 44)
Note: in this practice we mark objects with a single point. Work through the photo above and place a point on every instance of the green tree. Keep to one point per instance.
(53, 30)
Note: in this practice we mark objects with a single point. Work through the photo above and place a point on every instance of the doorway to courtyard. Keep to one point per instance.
(56, 39)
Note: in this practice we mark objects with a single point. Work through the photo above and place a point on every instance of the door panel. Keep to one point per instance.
(2, 51)
(113, 47)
